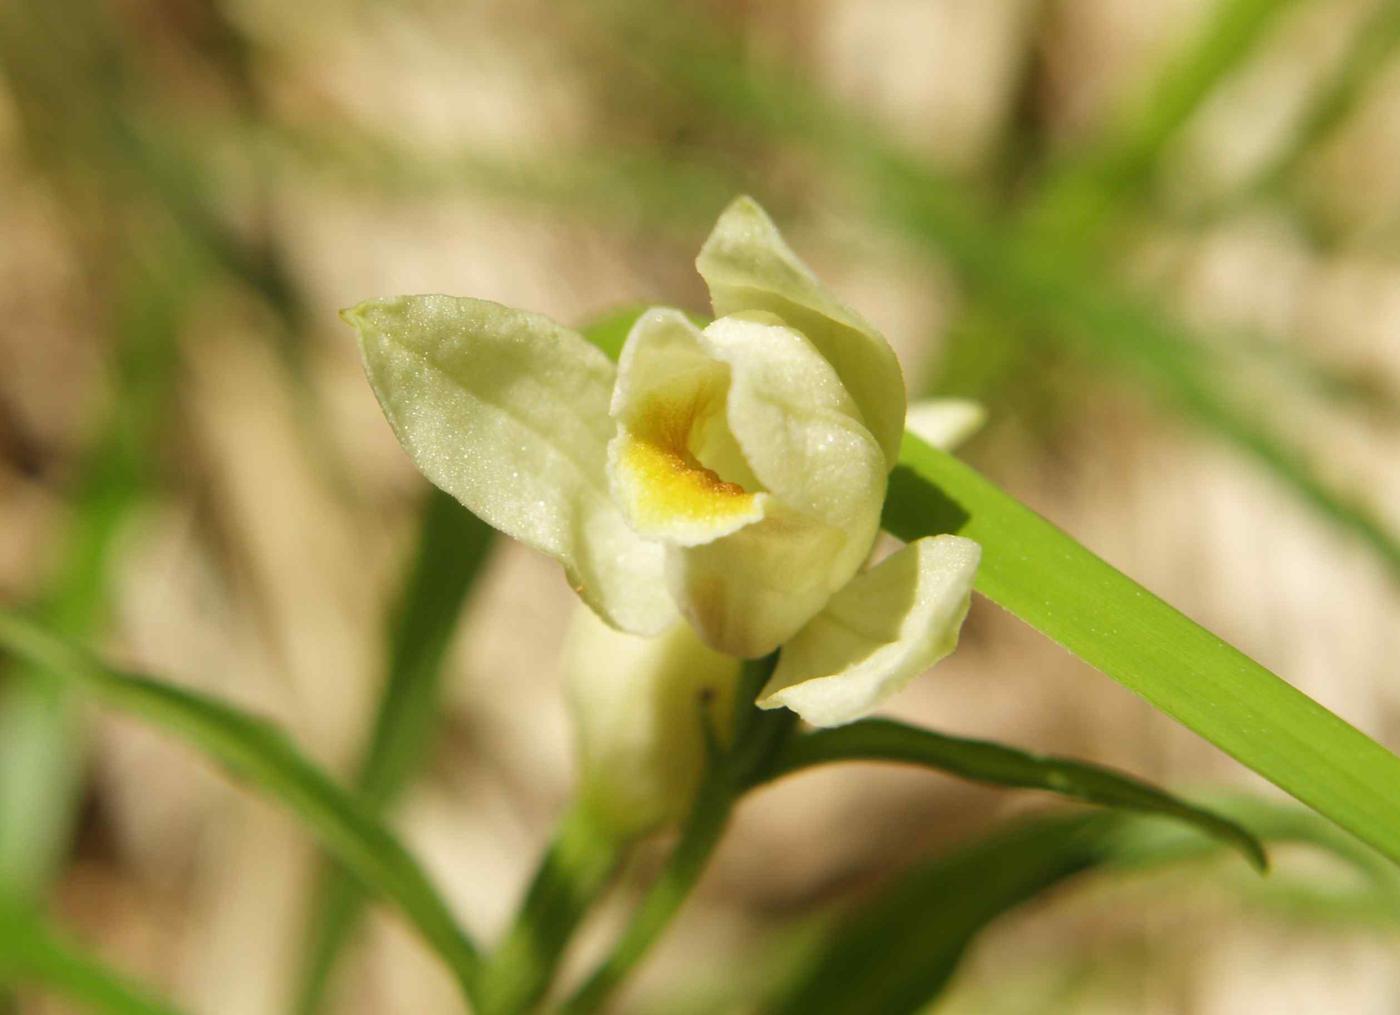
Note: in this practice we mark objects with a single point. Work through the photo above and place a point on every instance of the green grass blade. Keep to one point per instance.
(1035, 283)
(1372, 45)
(452, 548)
(41, 749)
(998, 765)
(1132, 149)
(32, 953)
(76, 106)
(1057, 586)
(898, 952)
(258, 752)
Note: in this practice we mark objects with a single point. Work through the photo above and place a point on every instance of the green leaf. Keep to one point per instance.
(41, 738)
(995, 764)
(1057, 586)
(88, 128)
(899, 951)
(453, 544)
(260, 753)
(31, 952)
(609, 332)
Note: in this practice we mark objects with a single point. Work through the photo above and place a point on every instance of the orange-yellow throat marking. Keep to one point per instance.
(671, 484)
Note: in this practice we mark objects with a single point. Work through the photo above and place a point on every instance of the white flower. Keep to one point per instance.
(733, 474)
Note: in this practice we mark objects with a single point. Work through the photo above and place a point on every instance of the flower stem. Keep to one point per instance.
(758, 737)
(573, 872)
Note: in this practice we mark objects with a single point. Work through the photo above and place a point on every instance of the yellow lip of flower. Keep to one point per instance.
(670, 492)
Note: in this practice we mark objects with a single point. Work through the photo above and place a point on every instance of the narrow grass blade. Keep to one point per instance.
(76, 101)
(998, 765)
(258, 752)
(453, 545)
(1371, 47)
(898, 952)
(1087, 188)
(1056, 585)
(41, 749)
(1035, 283)
(32, 953)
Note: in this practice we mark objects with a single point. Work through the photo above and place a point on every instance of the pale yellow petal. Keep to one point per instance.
(798, 427)
(748, 266)
(507, 411)
(945, 423)
(750, 591)
(887, 626)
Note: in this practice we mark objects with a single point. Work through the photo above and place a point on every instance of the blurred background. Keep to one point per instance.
(1159, 240)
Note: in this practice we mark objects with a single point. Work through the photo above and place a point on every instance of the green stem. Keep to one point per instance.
(707, 822)
(758, 738)
(576, 869)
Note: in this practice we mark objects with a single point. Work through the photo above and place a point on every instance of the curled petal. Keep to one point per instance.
(507, 411)
(798, 427)
(640, 708)
(675, 469)
(880, 631)
(748, 266)
(945, 423)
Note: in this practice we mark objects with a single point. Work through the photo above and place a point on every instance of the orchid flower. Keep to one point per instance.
(729, 476)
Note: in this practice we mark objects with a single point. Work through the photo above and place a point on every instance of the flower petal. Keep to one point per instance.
(798, 427)
(507, 411)
(877, 633)
(675, 469)
(750, 591)
(638, 707)
(945, 423)
(801, 434)
(748, 266)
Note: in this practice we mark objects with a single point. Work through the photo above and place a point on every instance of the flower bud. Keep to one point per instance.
(644, 710)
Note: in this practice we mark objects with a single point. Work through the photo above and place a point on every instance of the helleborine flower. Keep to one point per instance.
(732, 474)
(642, 710)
